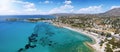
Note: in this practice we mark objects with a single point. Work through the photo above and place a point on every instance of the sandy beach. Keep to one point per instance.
(96, 46)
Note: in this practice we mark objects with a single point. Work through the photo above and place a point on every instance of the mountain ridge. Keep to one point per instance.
(111, 12)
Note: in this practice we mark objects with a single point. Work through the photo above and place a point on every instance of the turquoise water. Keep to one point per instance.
(14, 35)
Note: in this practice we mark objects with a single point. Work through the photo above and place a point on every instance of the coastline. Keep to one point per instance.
(95, 46)
(90, 47)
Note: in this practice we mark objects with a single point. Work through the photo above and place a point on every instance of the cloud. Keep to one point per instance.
(30, 7)
(5, 7)
(7, 12)
(24, 7)
(19, 8)
(20, 2)
(66, 8)
(114, 7)
(11, 7)
(46, 2)
(27, 7)
(67, 2)
(91, 9)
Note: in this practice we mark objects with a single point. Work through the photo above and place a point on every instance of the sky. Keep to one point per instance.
(26, 7)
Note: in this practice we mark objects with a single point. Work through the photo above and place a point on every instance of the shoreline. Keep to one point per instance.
(90, 47)
(95, 46)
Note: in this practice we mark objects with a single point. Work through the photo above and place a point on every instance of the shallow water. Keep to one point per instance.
(14, 35)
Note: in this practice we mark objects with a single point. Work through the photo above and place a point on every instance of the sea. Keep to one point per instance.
(15, 35)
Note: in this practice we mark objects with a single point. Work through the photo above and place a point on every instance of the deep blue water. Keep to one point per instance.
(3, 17)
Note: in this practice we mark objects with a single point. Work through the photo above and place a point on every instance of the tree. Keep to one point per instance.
(108, 49)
